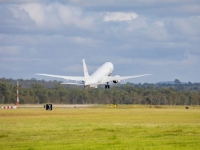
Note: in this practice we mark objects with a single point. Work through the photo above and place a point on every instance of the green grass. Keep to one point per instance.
(101, 127)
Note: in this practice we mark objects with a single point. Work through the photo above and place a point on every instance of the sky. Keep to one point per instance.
(138, 36)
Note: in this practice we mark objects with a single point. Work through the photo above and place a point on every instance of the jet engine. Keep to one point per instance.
(116, 81)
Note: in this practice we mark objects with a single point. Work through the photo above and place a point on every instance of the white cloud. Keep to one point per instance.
(159, 23)
(55, 15)
(120, 16)
(148, 29)
(47, 34)
(69, 14)
(184, 27)
(36, 12)
(18, 13)
(74, 16)
(139, 23)
(157, 31)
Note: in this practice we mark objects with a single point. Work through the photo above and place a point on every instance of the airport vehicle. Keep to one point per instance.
(101, 76)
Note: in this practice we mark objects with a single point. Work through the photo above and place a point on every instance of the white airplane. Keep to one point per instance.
(100, 76)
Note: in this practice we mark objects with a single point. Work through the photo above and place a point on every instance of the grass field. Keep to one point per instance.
(100, 127)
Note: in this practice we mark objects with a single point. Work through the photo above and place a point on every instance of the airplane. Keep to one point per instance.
(101, 76)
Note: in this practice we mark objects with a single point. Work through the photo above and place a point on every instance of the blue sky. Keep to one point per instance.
(138, 37)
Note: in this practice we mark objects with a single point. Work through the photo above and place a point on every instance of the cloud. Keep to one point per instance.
(137, 36)
(73, 16)
(55, 15)
(151, 30)
(120, 16)
(32, 17)
(35, 11)
(188, 26)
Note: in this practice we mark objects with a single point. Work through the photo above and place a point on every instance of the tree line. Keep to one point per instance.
(40, 92)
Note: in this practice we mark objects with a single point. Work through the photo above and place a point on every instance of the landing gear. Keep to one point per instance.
(107, 86)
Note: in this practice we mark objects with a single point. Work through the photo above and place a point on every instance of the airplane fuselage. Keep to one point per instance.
(99, 75)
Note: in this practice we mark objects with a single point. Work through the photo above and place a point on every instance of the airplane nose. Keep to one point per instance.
(111, 65)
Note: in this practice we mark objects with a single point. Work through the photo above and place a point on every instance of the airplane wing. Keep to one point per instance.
(75, 78)
(118, 78)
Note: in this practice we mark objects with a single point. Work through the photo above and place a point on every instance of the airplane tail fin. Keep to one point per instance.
(86, 74)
